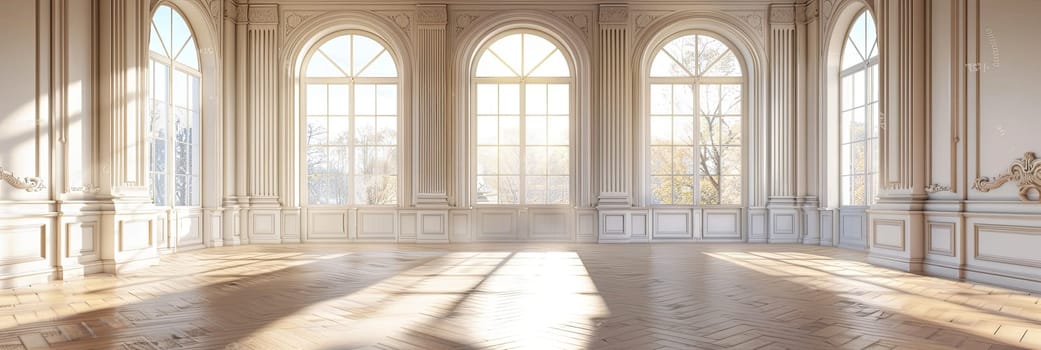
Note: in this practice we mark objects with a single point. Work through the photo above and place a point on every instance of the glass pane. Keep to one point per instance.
(509, 190)
(559, 130)
(387, 99)
(536, 49)
(317, 99)
(487, 160)
(338, 50)
(730, 160)
(846, 168)
(509, 49)
(317, 130)
(661, 99)
(509, 130)
(559, 189)
(683, 50)
(683, 130)
(159, 155)
(661, 130)
(709, 186)
(661, 189)
(364, 99)
(180, 89)
(189, 56)
(559, 99)
(159, 189)
(161, 31)
(660, 160)
(509, 160)
(535, 130)
(383, 66)
(535, 99)
(535, 189)
(709, 160)
(710, 99)
(859, 158)
(730, 99)
(375, 160)
(338, 160)
(386, 131)
(665, 66)
(859, 92)
(487, 130)
(320, 66)
(683, 187)
(339, 130)
(683, 160)
(710, 51)
(487, 99)
(858, 126)
(554, 66)
(730, 188)
(364, 50)
(509, 99)
(487, 189)
(683, 99)
(727, 66)
(317, 160)
(339, 100)
(491, 66)
(558, 161)
(730, 130)
(535, 162)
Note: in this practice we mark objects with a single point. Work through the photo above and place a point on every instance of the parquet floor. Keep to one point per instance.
(518, 296)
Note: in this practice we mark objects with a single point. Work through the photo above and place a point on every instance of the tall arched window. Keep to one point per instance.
(350, 94)
(522, 86)
(175, 101)
(696, 114)
(858, 135)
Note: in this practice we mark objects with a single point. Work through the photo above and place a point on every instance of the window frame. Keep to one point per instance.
(522, 82)
(695, 82)
(174, 66)
(871, 129)
(302, 82)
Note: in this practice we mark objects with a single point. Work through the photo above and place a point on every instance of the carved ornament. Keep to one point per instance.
(613, 14)
(29, 183)
(1025, 171)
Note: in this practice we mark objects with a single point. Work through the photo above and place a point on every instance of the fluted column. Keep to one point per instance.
(261, 106)
(896, 223)
(614, 108)
(432, 150)
(785, 217)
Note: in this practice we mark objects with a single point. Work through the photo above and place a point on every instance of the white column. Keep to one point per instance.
(615, 122)
(784, 225)
(896, 223)
(807, 114)
(432, 150)
(129, 220)
(262, 139)
(233, 94)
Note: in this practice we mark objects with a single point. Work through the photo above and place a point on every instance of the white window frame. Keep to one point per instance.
(871, 154)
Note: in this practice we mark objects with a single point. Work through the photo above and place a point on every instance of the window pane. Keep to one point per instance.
(487, 160)
(364, 99)
(661, 99)
(554, 66)
(509, 99)
(558, 161)
(509, 190)
(536, 50)
(535, 130)
(509, 130)
(535, 160)
(487, 130)
(317, 99)
(559, 130)
(661, 160)
(535, 99)
(661, 130)
(710, 190)
(487, 99)
(339, 97)
(559, 99)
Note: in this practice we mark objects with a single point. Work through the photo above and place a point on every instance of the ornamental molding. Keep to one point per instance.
(1025, 171)
(28, 183)
(934, 188)
(826, 8)
(86, 188)
(294, 19)
(402, 20)
(754, 19)
(465, 19)
(215, 11)
(578, 19)
(782, 14)
(431, 14)
(614, 14)
(810, 11)
(265, 14)
(644, 19)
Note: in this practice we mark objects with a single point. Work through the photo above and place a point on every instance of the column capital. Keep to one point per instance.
(613, 14)
(432, 14)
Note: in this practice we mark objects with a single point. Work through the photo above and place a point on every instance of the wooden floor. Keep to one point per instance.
(518, 296)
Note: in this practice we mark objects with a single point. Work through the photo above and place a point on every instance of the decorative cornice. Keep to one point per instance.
(782, 15)
(28, 183)
(431, 14)
(614, 14)
(1025, 171)
(934, 188)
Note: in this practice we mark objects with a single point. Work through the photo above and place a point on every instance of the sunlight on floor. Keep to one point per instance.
(994, 313)
(460, 298)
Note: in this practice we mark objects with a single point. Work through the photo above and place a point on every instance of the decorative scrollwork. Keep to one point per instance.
(934, 188)
(29, 183)
(1026, 171)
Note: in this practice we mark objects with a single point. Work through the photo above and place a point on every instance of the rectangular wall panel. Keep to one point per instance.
(1008, 244)
(722, 223)
(495, 225)
(376, 225)
(672, 224)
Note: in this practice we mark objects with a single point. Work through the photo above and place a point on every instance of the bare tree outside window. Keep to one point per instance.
(695, 155)
(350, 99)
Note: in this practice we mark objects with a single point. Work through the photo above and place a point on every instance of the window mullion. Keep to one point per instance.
(696, 183)
(171, 150)
(522, 141)
(352, 181)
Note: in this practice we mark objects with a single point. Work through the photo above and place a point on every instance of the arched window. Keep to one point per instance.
(350, 94)
(175, 101)
(522, 86)
(695, 128)
(858, 137)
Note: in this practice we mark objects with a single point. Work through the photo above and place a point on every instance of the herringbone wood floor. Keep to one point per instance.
(513, 296)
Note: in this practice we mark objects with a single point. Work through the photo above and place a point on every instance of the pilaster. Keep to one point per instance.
(433, 123)
(262, 124)
(785, 219)
(234, 171)
(615, 136)
(896, 223)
